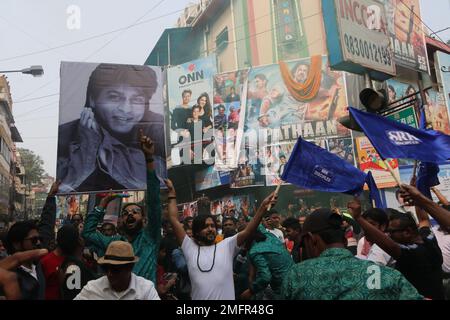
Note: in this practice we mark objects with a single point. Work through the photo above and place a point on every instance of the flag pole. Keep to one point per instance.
(414, 169)
(397, 180)
(277, 190)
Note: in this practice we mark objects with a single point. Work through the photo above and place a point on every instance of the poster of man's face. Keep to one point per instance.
(103, 109)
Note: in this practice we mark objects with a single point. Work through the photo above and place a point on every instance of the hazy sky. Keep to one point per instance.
(29, 26)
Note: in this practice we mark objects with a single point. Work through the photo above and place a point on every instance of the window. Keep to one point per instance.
(4, 150)
(222, 40)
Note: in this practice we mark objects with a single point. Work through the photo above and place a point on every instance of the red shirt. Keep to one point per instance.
(50, 265)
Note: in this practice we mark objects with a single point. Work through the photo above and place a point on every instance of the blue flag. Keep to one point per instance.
(427, 176)
(393, 139)
(315, 168)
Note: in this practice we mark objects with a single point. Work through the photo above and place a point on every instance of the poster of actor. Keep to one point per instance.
(190, 92)
(103, 108)
(230, 96)
(296, 98)
(407, 35)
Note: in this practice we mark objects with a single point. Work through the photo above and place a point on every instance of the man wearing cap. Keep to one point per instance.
(98, 151)
(333, 273)
(119, 283)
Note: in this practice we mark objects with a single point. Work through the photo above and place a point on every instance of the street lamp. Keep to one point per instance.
(35, 71)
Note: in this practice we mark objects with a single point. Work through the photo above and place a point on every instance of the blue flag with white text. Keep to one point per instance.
(396, 140)
(314, 168)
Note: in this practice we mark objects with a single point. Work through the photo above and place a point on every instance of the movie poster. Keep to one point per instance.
(102, 109)
(292, 99)
(191, 85)
(343, 148)
(370, 160)
(210, 178)
(406, 33)
(189, 209)
(233, 206)
(277, 156)
(250, 170)
(230, 97)
(436, 110)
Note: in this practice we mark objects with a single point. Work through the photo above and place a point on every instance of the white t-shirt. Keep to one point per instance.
(443, 239)
(278, 233)
(376, 254)
(218, 283)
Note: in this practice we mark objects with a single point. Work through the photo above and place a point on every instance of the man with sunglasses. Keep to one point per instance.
(25, 236)
(119, 283)
(141, 227)
(333, 273)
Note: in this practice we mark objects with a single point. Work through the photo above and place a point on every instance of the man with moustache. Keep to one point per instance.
(210, 264)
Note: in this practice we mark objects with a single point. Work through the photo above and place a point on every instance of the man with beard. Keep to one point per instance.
(145, 240)
(229, 228)
(210, 264)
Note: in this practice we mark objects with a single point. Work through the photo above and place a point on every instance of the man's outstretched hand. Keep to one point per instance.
(147, 145)
(8, 279)
(354, 208)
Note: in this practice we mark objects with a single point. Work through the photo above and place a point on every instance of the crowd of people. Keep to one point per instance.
(314, 253)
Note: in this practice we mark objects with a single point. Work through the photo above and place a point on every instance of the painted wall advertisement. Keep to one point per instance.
(370, 160)
(191, 132)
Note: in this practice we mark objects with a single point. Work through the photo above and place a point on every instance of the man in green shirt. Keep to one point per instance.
(333, 273)
(144, 239)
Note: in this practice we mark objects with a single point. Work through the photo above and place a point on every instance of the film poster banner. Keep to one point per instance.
(250, 170)
(370, 160)
(436, 110)
(210, 178)
(277, 157)
(102, 109)
(189, 209)
(292, 99)
(191, 85)
(406, 33)
(444, 179)
(230, 97)
(233, 206)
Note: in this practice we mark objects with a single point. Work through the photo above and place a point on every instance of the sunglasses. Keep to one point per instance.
(34, 240)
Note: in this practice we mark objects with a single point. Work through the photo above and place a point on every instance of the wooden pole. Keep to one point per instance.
(397, 180)
(277, 190)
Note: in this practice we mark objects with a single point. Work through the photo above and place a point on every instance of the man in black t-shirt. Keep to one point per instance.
(420, 259)
(414, 248)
